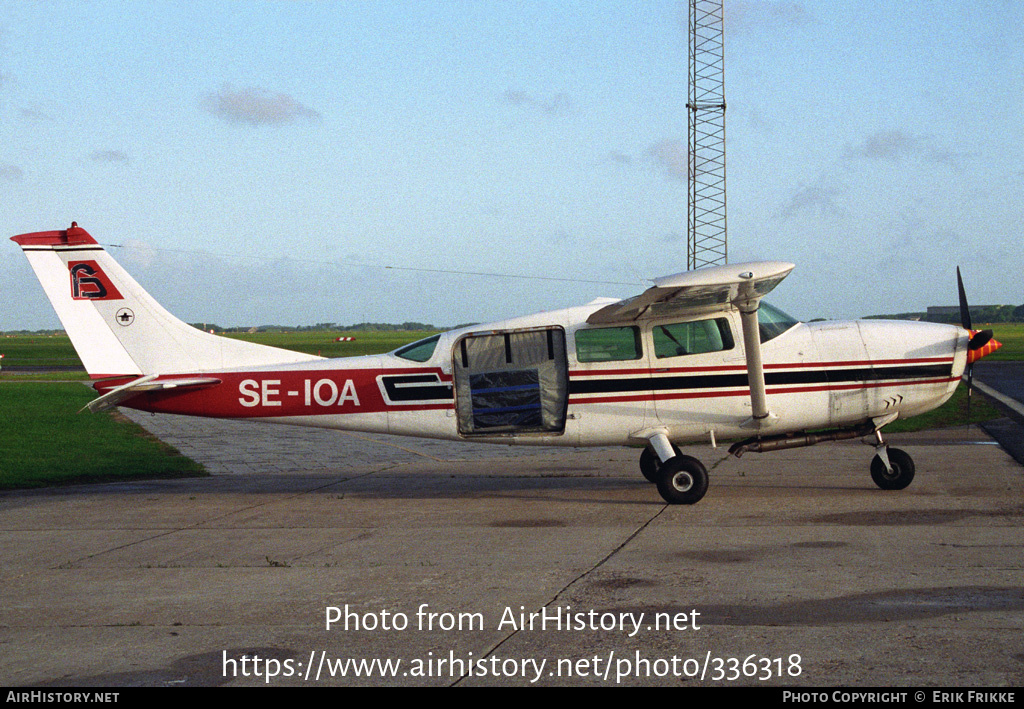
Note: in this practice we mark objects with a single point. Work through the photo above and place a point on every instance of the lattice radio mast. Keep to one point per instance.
(706, 234)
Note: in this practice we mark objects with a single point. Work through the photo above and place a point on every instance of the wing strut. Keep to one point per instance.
(747, 301)
(707, 291)
(755, 369)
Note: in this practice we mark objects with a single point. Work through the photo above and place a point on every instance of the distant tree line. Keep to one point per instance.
(319, 327)
(979, 314)
(329, 327)
(988, 313)
(39, 333)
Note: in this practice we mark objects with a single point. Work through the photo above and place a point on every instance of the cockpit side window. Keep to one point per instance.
(419, 351)
(689, 338)
(773, 322)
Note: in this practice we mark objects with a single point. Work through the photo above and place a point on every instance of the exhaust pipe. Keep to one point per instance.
(780, 442)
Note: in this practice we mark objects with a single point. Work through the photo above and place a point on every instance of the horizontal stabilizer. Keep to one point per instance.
(148, 383)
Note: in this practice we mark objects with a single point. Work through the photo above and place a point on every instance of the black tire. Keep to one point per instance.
(649, 463)
(682, 480)
(902, 470)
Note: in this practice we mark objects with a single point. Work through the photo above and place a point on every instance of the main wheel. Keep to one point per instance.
(649, 463)
(902, 470)
(682, 480)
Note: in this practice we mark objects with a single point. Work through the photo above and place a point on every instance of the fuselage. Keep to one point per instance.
(553, 379)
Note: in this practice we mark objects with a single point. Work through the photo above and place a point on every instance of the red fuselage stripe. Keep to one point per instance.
(651, 396)
(646, 371)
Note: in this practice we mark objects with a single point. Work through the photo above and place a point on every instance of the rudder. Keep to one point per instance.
(116, 327)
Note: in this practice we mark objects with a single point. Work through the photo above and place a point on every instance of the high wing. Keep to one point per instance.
(740, 285)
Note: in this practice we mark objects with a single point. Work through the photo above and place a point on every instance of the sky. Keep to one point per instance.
(302, 162)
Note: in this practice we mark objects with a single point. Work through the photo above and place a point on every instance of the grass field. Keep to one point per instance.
(56, 350)
(45, 441)
(38, 351)
(323, 343)
(1011, 334)
(952, 413)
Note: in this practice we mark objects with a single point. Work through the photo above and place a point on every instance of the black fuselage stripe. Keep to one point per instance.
(724, 381)
(62, 249)
(406, 388)
(413, 394)
(427, 387)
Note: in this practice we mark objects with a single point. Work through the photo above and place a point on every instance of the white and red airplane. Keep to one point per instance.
(698, 356)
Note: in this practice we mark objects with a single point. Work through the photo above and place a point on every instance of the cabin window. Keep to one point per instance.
(689, 338)
(419, 351)
(608, 344)
(772, 322)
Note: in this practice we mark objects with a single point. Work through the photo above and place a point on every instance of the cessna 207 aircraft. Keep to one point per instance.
(698, 356)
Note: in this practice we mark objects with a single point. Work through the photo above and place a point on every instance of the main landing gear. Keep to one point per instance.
(681, 480)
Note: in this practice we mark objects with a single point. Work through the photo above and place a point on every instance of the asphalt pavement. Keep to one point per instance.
(323, 558)
(1007, 378)
(1003, 383)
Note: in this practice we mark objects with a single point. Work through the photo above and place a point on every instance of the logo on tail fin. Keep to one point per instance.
(89, 282)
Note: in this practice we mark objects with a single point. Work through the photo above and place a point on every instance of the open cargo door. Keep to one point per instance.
(511, 382)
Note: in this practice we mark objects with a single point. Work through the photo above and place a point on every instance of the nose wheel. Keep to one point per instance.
(892, 468)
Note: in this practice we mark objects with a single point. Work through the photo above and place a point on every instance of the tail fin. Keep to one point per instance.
(116, 327)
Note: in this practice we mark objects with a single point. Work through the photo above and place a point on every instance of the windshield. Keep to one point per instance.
(773, 322)
(419, 351)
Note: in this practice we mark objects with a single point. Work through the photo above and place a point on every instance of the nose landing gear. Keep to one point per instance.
(891, 468)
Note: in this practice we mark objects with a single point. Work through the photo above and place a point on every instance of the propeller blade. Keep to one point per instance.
(980, 339)
(965, 312)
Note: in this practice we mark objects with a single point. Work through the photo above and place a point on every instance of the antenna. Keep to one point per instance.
(706, 234)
